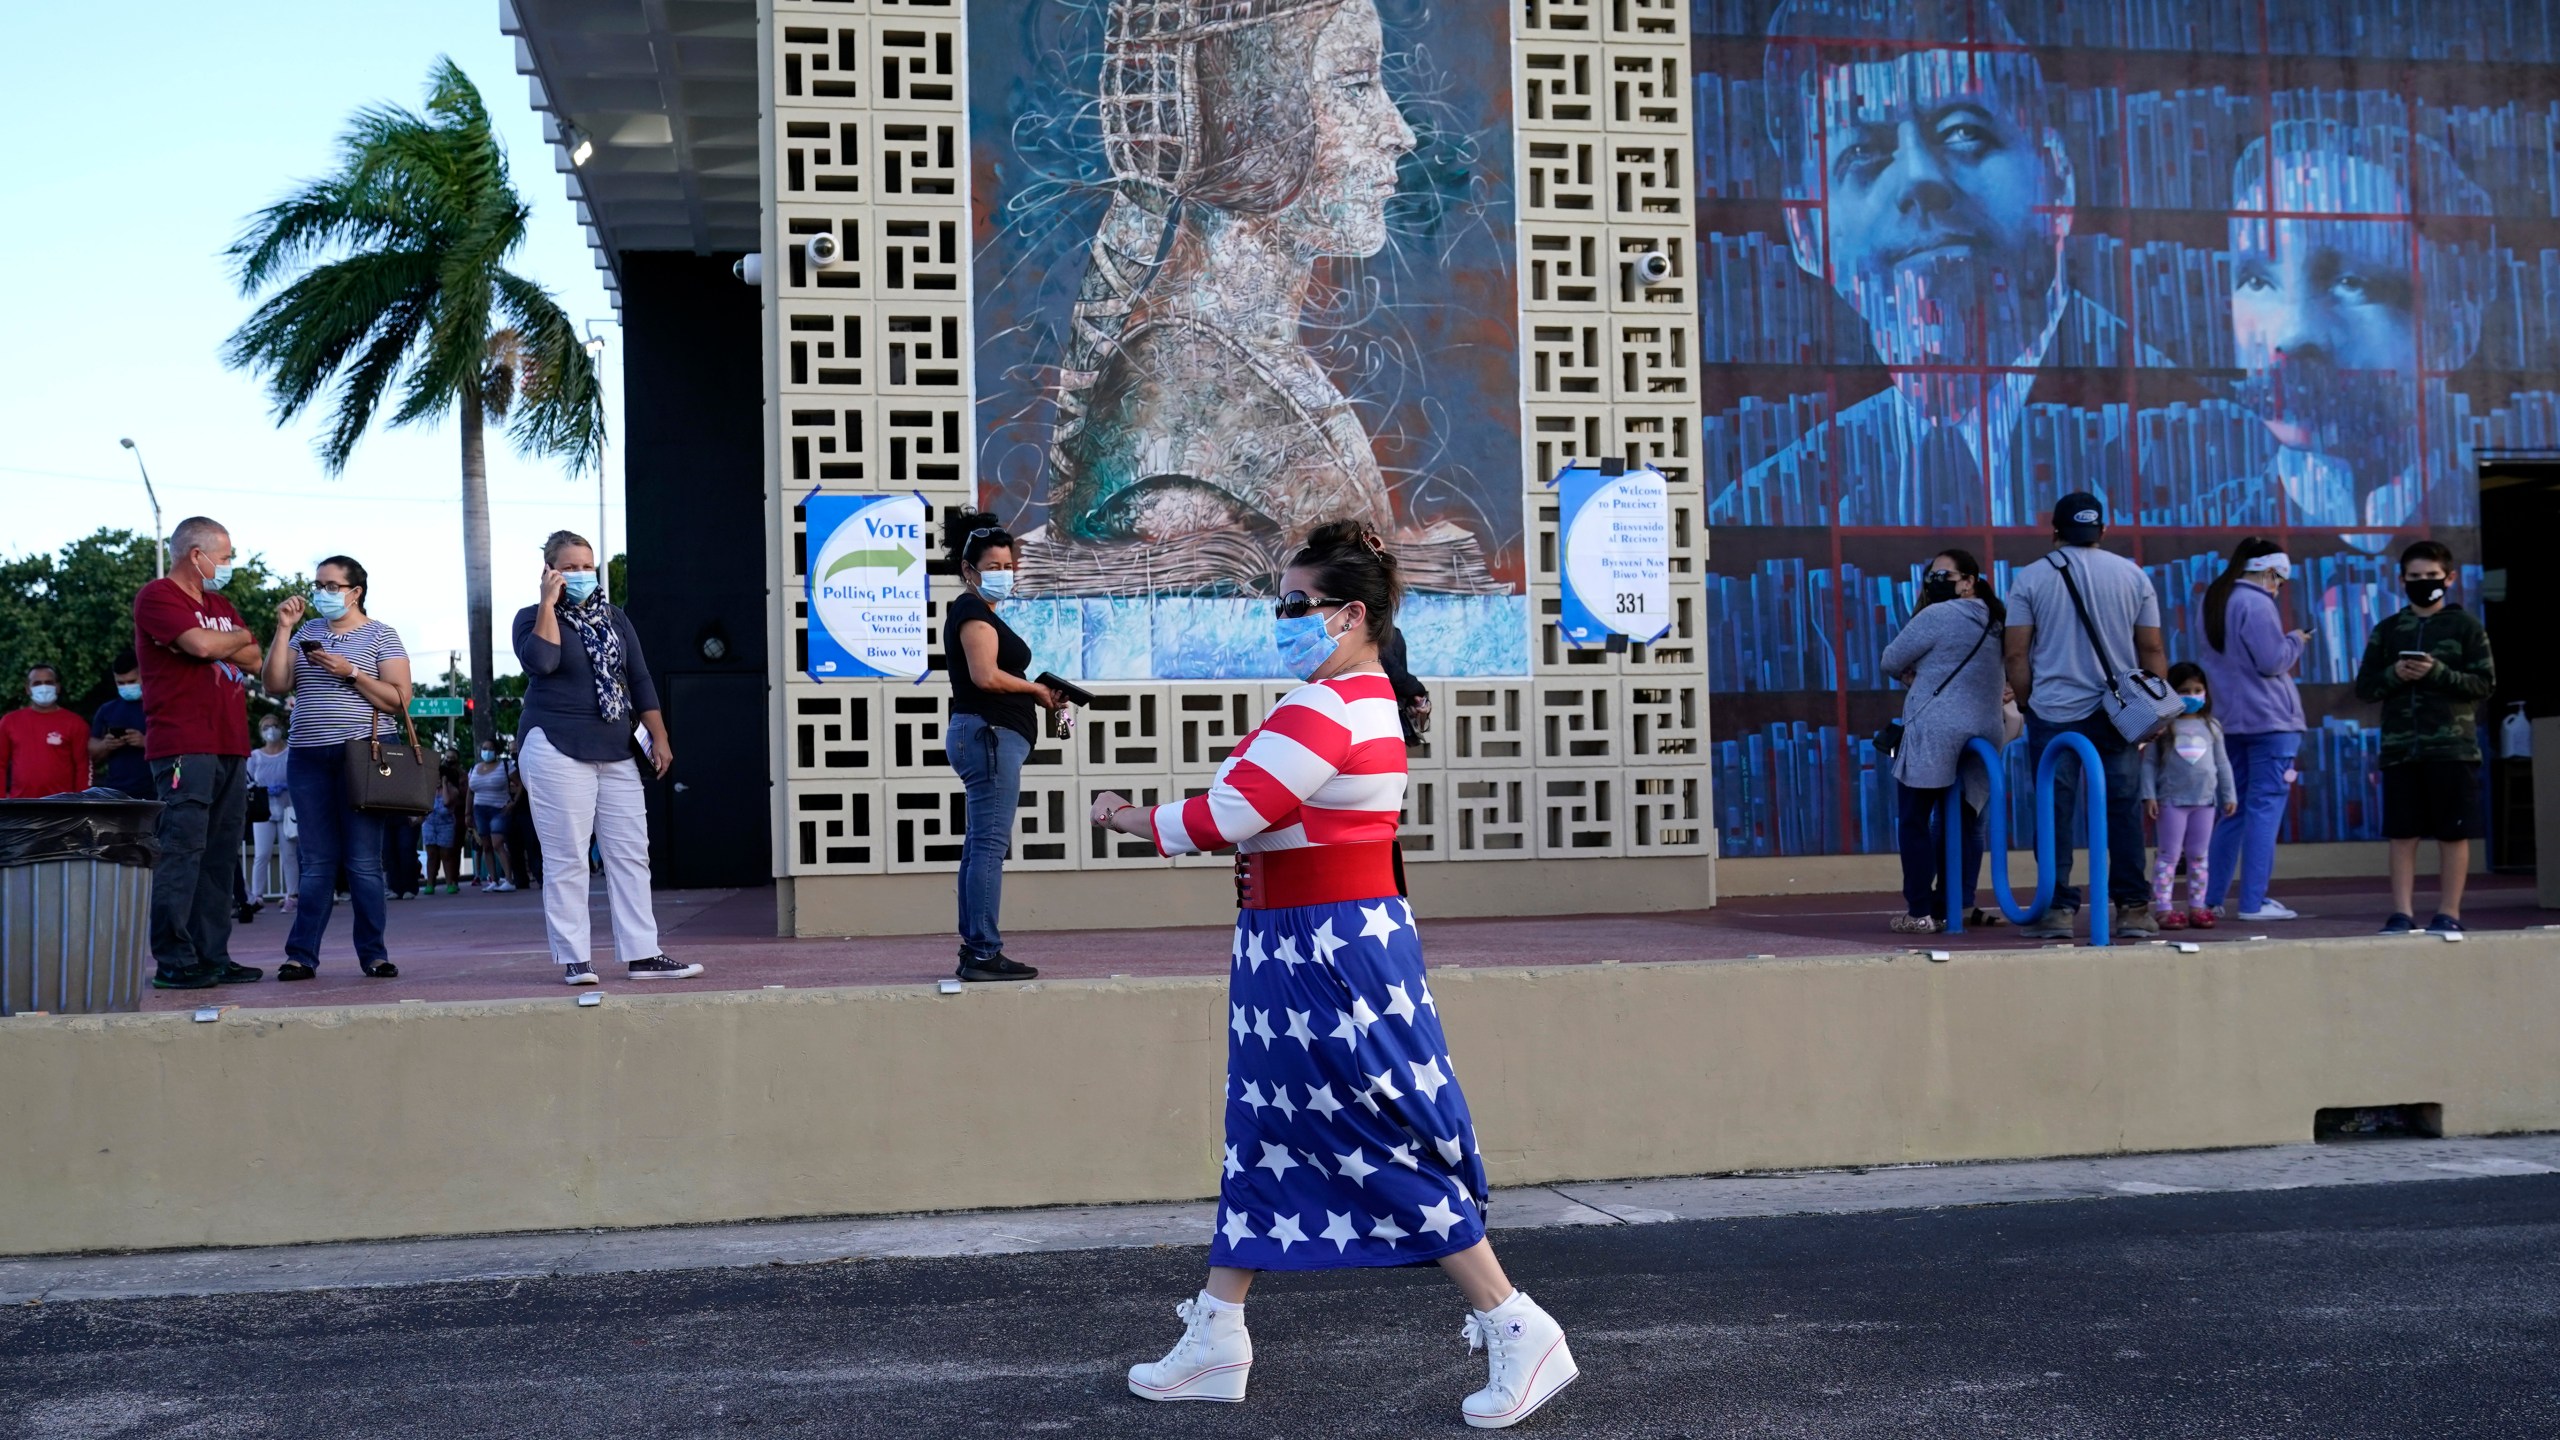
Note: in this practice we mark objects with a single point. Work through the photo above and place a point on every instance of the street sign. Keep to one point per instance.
(436, 707)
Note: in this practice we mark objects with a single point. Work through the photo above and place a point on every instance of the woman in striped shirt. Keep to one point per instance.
(346, 671)
(1345, 1125)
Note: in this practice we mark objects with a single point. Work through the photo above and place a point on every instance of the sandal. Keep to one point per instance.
(381, 969)
(294, 970)
(1978, 918)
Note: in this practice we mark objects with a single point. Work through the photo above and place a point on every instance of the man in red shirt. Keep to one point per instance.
(197, 655)
(44, 749)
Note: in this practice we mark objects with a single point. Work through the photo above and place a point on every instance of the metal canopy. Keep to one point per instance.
(663, 95)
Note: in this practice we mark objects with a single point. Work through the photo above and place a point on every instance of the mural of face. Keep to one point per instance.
(1359, 136)
(2322, 318)
(1934, 189)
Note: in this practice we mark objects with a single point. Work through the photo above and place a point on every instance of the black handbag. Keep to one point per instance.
(388, 777)
(261, 805)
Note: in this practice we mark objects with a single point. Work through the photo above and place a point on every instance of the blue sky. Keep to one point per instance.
(142, 135)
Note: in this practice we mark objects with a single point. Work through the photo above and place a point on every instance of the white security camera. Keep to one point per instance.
(825, 249)
(750, 268)
(1652, 268)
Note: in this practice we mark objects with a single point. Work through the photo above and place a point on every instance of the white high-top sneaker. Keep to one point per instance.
(1527, 1357)
(1210, 1362)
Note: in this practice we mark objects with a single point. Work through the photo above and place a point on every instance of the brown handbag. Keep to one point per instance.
(388, 777)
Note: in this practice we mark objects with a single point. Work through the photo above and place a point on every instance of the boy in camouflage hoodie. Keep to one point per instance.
(2429, 668)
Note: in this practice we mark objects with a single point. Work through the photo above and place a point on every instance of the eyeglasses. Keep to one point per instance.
(331, 586)
(1297, 603)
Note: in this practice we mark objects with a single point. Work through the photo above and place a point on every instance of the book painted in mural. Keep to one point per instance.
(1245, 267)
(2284, 269)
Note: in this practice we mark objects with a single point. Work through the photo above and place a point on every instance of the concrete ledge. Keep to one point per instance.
(150, 1131)
(1862, 874)
(1165, 896)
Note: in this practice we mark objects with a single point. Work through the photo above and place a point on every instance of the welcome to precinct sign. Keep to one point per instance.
(866, 586)
(1615, 528)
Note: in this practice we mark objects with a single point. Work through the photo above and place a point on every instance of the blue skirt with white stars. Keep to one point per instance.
(1348, 1139)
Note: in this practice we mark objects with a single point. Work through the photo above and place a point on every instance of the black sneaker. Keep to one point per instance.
(2444, 924)
(659, 967)
(294, 970)
(187, 980)
(231, 974)
(2400, 924)
(998, 966)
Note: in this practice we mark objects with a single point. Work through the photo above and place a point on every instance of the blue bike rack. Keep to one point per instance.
(1995, 835)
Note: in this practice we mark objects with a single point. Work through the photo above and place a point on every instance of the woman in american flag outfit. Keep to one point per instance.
(1347, 1138)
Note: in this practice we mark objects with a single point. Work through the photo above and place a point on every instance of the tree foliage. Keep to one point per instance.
(74, 610)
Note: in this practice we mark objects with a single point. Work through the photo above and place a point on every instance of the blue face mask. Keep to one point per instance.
(129, 692)
(1304, 643)
(2194, 703)
(44, 694)
(330, 603)
(996, 584)
(220, 577)
(580, 584)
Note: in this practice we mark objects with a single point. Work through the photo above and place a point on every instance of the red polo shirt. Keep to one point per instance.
(189, 706)
(43, 752)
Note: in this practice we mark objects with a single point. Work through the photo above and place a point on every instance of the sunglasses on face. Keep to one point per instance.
(1948, 576)
(1298, 603)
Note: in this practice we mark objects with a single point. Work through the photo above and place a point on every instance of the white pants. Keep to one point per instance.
(570, 800)
(275, 840)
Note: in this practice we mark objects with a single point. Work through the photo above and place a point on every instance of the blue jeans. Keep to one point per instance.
(2127, 884)
(1923, 839)
(989, 759)
(334, 834)
(2258, 766)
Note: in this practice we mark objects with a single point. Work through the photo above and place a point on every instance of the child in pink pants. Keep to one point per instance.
(2186, 777)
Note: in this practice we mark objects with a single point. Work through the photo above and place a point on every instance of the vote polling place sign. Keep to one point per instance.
(866, 586)
(1615, 527)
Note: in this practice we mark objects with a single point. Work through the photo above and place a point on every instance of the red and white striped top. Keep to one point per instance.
(1326, 769)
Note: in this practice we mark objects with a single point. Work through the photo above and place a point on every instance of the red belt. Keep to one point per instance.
(1317, 875)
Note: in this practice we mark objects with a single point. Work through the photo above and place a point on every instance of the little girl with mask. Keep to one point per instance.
(2186, 776)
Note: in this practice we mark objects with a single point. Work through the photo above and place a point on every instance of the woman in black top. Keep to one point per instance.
(994, 719)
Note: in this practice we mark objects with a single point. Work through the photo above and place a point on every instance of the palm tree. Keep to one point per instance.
(401, 260)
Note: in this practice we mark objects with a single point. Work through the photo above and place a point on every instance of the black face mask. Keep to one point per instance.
(1935, 588)
(2423, 592)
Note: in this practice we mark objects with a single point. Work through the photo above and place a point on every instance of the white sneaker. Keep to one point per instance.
(2271, 909)
(1210, 1362)
(502, 887)
(1527, 1357)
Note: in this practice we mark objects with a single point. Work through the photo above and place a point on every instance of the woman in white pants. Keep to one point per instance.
(586, 686)
(274, 835)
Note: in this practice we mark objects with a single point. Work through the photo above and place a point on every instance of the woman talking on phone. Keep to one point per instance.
(346, 671)
(585, 687)
(1345, 1125)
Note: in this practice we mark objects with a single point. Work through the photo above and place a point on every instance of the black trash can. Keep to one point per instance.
(75, 902)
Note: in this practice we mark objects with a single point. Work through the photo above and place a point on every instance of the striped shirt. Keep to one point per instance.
(1326, 769)
(326, 709)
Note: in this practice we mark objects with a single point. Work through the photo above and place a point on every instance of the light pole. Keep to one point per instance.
(604, 562)
(159, 537)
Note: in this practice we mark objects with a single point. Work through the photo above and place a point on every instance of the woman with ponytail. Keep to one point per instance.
(2249, 658)
(1348, 1140)
(995, 720)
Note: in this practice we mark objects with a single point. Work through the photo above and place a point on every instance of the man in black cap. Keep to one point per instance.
(2062, 682)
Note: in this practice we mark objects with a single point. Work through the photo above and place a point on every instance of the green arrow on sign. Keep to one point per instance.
(435, 707)
(901, 560)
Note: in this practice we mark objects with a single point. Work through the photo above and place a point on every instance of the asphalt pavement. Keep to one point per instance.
(2388, 1310)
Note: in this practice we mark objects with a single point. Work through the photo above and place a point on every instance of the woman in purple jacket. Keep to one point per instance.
(2249, 659)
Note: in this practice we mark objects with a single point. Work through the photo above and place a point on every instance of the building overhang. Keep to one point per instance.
(652, 108)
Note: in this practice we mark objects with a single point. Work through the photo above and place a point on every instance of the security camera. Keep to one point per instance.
(1652, 268)
(750, 268)
(825, 249)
